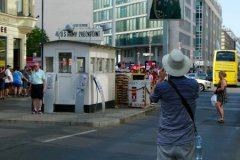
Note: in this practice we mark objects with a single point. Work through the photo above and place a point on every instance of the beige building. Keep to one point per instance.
(16, 20)
(227, 42)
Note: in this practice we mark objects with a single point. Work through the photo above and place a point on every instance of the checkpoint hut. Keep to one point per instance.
(80, 76)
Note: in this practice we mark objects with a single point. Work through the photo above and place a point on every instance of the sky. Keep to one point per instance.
(230, 13)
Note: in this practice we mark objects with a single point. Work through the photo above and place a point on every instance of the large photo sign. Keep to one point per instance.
(165, 9)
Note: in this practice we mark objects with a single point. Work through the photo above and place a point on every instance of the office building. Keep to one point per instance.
(16, 20)
(134, 35)
(228, 39)
(208, 32)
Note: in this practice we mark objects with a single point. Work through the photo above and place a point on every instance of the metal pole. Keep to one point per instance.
(165, 36)
(150, 42)
(42, 50)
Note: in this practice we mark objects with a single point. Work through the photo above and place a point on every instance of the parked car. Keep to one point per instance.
(203, 84)
(197, 76)
(192, 75)
(202, 76)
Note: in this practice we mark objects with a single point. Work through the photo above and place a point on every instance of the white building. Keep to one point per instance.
(59, 13)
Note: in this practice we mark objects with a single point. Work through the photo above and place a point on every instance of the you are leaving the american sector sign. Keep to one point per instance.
(81, 34)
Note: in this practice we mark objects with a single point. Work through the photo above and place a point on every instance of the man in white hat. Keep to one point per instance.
(176, 129)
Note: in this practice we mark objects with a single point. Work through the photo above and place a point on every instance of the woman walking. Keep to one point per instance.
(2, 82)
(221, 95)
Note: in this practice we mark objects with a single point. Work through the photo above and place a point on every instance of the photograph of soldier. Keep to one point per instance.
(165, 9)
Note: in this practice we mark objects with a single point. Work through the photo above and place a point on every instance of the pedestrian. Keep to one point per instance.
(2, 82)
(148, 75)
(8, 80)
(176, 129)
(18, 81)
(25, 73)
(221, 93)
(38, 88)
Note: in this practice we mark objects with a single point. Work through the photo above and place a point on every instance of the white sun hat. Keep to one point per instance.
(176, 64)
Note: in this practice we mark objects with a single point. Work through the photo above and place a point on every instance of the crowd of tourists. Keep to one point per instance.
(14, 81)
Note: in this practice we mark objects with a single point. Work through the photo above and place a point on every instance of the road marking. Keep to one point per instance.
(68, 136)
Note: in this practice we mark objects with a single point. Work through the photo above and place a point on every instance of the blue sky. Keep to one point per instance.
(230, 15)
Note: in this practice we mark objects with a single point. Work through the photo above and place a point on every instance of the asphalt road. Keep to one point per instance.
(135, 140)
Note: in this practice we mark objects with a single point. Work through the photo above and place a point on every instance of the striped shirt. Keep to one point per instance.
(176, 126)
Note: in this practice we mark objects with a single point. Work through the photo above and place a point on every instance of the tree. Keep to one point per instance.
(34, 40)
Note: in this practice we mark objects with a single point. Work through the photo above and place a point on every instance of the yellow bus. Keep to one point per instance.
(226, 60)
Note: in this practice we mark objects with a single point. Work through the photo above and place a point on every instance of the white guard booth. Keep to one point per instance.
(80, 76)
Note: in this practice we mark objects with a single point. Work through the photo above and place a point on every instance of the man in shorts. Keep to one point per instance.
(8, 80)
(38, 88)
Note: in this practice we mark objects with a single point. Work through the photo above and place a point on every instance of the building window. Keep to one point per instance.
(188, 13)
(49, 64)
(2, 5)
(3, 51)
(19, 7)
(65, 62)
(81, 64)
(30, 8)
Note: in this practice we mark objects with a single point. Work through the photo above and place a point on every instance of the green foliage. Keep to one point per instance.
(34, 40)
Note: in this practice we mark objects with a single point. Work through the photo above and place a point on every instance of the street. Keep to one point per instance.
(135, 140)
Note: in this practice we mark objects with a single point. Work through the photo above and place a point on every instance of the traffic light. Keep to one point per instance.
(165, 9)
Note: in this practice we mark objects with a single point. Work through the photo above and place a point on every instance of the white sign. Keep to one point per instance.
(137, 95)
(147, 54)
(199, 63)
(81, 34)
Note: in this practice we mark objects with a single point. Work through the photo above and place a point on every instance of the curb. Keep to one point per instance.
(99, 122)
(139, 115)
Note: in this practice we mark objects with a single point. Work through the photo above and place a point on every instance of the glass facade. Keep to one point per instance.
(103, 15)
(99, 4)
(132, 10)
(130, 28)
(138, 38)
(130, 20)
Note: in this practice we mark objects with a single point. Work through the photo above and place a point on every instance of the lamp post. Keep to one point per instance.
(138, 54)
(42, 38)
(150, 43)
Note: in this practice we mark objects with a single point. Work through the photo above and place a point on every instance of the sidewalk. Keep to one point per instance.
(18, 110)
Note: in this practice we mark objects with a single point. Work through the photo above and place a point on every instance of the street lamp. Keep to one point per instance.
(42, 38)
(150, 42)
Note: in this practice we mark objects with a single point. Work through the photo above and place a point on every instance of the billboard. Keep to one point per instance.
(165, 9)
